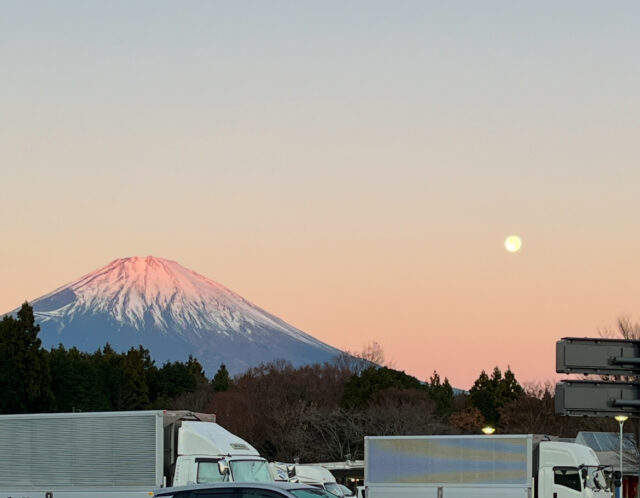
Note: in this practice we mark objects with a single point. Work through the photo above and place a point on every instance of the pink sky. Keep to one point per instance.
(353, 169)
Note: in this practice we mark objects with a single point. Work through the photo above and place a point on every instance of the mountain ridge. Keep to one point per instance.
(173, 311)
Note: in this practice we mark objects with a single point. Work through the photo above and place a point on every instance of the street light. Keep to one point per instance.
(488, 430)
(621, 420)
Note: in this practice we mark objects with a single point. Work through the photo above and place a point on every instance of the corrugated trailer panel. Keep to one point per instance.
(108, 449)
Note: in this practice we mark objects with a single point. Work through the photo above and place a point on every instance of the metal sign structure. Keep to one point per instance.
(579, 355)
(597, 399)
(598, 356)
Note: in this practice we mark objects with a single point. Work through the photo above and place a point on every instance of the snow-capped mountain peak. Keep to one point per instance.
(151, 297)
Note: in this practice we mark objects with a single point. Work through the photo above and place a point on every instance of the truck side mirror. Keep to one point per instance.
(291, 471)
(223, 467)
(584, 473)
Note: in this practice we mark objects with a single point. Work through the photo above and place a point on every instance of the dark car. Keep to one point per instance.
(245, 490)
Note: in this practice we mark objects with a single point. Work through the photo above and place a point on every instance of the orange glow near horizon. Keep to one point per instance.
(420, 324)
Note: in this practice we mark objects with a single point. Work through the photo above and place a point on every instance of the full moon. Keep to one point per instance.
(513, 243)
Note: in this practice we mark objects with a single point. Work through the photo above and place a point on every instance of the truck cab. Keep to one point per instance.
(208, 453)
(567, 470)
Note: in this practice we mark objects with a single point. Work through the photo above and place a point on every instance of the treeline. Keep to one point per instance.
(323, 412)
(310, 413)
(33, 379)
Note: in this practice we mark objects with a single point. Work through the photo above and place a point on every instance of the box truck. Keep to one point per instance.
(498, 466)
(119, 454)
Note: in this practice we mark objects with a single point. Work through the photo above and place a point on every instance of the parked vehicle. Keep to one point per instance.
(245, 490)
(498, 466)
(314, 475)
(119, 454)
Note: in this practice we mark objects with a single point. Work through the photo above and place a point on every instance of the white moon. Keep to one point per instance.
(512, 243)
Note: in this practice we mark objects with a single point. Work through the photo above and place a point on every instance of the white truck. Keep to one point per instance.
(307, 473)
(316, 475)
(498, 466)
(119, 454)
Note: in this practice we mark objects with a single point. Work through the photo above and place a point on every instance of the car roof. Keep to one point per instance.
(272, 485)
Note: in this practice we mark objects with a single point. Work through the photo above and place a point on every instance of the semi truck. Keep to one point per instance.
(497, 466)
(119, 454)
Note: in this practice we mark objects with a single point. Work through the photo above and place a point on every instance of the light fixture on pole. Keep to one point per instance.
(621, 420)
(488, 430)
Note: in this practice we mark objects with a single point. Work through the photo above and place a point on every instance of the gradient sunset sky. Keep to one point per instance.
(352, 167)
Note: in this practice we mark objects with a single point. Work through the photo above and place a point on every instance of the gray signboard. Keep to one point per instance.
(598, 356)
(597, 399)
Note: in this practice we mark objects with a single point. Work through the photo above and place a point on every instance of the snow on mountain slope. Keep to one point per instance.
(172, 311)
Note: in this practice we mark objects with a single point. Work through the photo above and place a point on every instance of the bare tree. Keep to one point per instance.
(626, 328)
(374, 353)
(470, 420)
(395, 411)
(532, 413)
(337, 433)
(350, 363)
(371, 355)
(196, 401)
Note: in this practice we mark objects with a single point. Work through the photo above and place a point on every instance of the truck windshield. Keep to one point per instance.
(250, 470)
(241, 471)
(208, 472)
(568, 477)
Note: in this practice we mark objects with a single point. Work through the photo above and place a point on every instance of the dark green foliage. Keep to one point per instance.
(195, 369)
(74, 378)
(109, 374)
(171, 380)
(25, 378)
(107, 380)
(133, 392)
(360, 388)
(490, 394)
(442, 394)
(221, 381)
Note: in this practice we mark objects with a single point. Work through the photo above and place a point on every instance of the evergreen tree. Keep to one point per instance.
(73, 380)
(195, 369)
(134, 392)
(108, 365)
(171, 380)
(221, 381)
(11, 398)
(442, 394)
(24, 370)
(490, 394)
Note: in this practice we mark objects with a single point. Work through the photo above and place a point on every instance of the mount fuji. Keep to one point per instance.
(173, 312)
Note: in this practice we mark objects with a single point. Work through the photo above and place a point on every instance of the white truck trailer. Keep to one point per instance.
(498, 466)
(119, 454)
